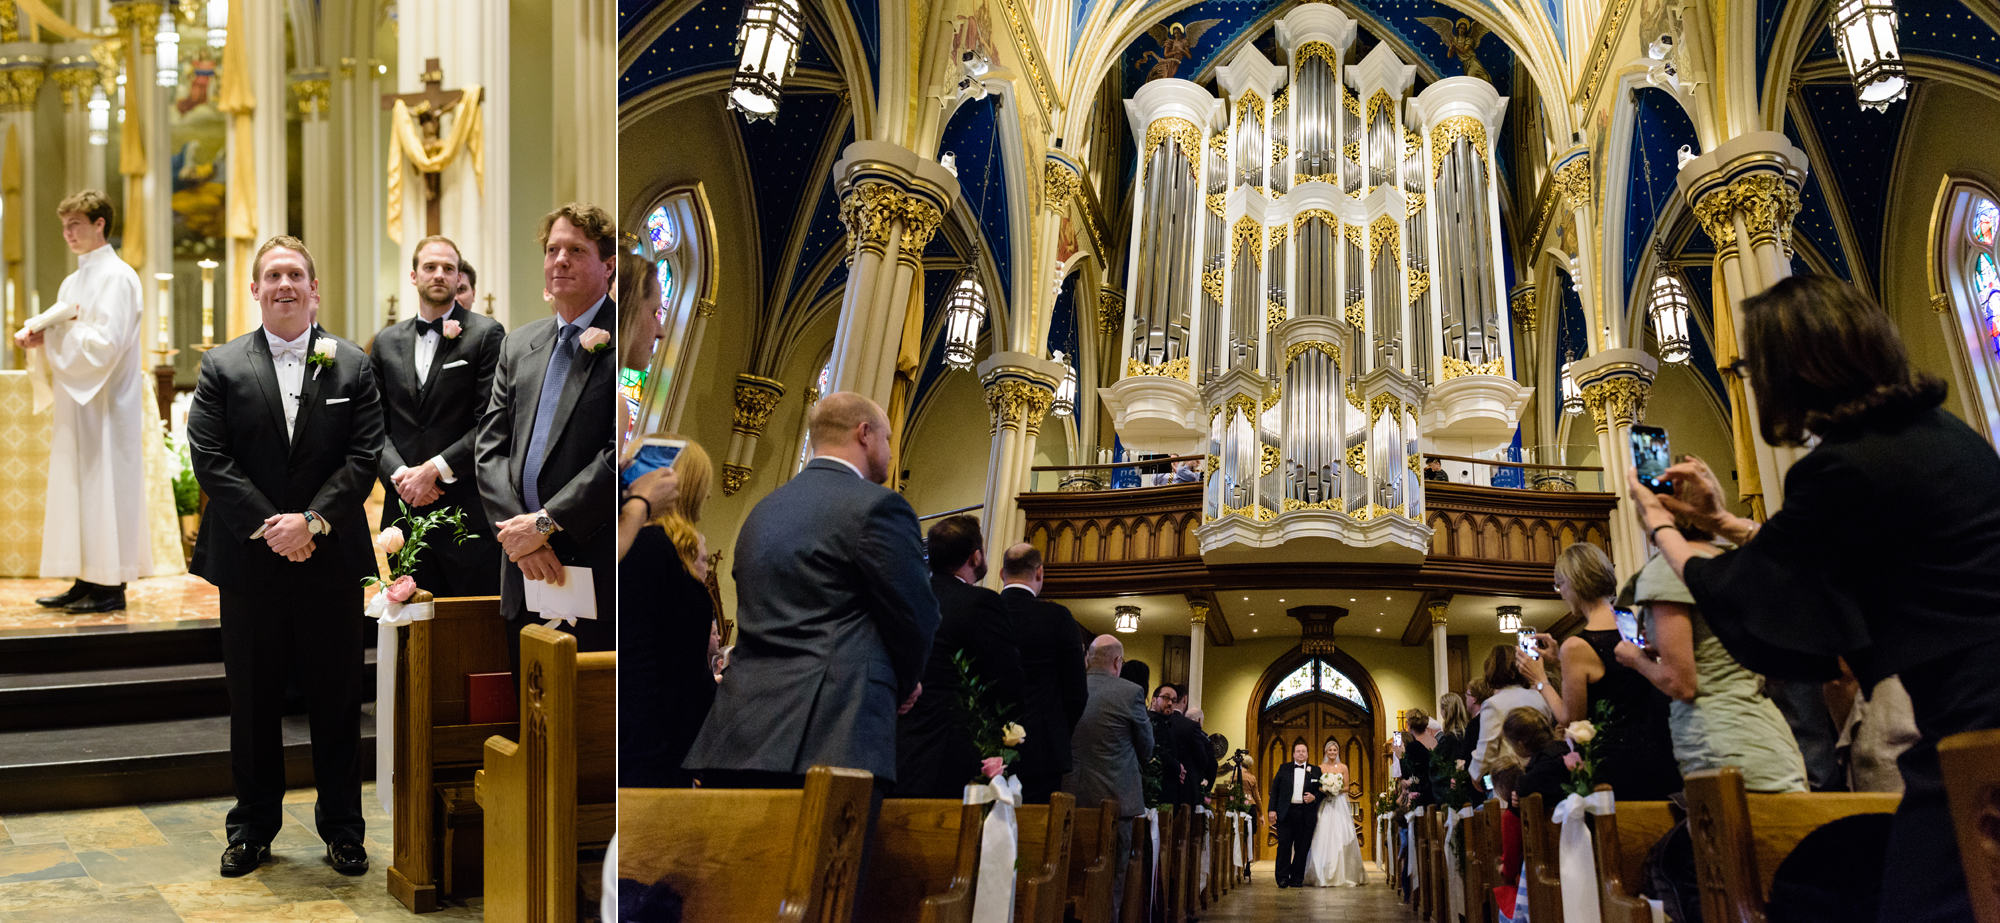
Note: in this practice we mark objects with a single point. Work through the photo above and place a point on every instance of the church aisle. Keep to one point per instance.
(156, 863)
(1263, 902)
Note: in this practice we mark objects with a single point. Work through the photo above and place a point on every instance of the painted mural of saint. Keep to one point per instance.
(1461, 41)
(1177, 43)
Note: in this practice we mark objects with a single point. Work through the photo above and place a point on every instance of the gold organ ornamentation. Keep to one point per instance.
(1420, 282)
(1173, 368)
(1330, 350)
(1385, 232)
(1248, 230)
(1183, 133)
(1110, 312)
(1446, 135)
(1250, 104)
(1455, 367)
(1573, 183)
(1271, 458)
(1357, 459)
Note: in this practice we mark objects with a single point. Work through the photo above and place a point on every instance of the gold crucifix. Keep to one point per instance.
(428, 108)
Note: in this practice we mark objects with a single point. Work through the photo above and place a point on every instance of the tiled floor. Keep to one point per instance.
(153, 600)
(1262, 902)
(157, 864)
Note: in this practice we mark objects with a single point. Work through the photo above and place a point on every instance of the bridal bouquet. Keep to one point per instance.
(1582, 758)
(402, 551)
(996, 738)
(1332, 784)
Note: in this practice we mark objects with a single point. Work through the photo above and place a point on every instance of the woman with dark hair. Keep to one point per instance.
(1807, 586)
(1541, 752)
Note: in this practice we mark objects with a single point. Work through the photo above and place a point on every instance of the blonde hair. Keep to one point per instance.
(636, 277)
(1451, 712)
(695, 474)
(1588, 571)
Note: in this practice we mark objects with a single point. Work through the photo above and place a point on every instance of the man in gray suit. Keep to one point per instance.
(1112, 739)
(835, 617)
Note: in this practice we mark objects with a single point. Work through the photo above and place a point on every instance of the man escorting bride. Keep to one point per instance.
(1335, 856)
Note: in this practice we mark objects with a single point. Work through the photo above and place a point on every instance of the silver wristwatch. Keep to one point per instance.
(544, 524)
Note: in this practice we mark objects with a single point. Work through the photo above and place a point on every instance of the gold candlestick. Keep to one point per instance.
(207, 305)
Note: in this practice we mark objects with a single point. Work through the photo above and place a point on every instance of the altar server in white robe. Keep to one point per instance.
(90, 366)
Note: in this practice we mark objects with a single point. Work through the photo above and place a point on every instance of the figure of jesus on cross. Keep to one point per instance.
(428, 107)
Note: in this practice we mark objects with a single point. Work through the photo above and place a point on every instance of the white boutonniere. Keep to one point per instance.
(596, 339)
(322, 355)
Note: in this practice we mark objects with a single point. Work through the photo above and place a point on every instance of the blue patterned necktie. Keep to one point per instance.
(545, 415)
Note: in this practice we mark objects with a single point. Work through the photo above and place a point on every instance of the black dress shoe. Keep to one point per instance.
(76, 591)
(243, 858)
(102, 599)
(347, 857)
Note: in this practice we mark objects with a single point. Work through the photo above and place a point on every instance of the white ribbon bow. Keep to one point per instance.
(1410, 847)
(999, 843)
(1153, 826)
(1454, 882)
(389, 613)
(564, 620)
(1576, 864)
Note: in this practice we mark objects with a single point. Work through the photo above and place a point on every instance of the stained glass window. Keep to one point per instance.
(1986, 296)
(820, 387)
(631, 385)
(1985, 221)
(660, 232)
(1335, 682)
(666, 281)
(1300, 682)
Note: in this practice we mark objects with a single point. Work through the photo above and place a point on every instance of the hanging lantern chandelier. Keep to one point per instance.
(1572, 395)
(1065, 402)
(167, 51)
(768, 42)
(1670, 318)
(218, 23)
(1510, 619)
(1865, 33)
(963, 315)
(100, 116)
(1126, 620)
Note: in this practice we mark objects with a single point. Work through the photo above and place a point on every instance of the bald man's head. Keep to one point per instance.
(851, 427)
(1107, 655)
(1022, 564)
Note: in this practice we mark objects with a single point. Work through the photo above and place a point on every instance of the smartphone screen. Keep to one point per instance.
(1628, 627)
(655, 453)
(1527, 642)
(1399, 738)
(1650, 457)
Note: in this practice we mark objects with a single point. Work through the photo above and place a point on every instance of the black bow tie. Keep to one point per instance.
(431, 326)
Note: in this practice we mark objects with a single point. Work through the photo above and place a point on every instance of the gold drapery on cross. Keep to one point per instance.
(433, 156)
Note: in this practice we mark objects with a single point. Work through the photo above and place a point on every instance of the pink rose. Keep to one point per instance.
(594, 339)
(404, 588)
(452, 329)
(390, 541)
(992, 766)
(1572, 761)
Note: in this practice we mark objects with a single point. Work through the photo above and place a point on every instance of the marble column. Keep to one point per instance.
(1440, 668)
(1572, 176)
(756, 397)
(585, 85)
(1019, 390)
(1523, 304)
(21, 75)
(1061, 179)
(891, 202)
(1197, 649)
(1745, 193)
(74, 71)
(1615, 383)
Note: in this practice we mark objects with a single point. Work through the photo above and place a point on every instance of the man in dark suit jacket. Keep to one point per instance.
(1191, 745)
(548, 440)
(435, 372)
(283, 432)
(1173, 772)
(935, 753)
(835, 616)
(1052, 660)
(1112, 740)
(1294, 813)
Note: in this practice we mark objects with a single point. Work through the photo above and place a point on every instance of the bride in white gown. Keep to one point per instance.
(1335, 856)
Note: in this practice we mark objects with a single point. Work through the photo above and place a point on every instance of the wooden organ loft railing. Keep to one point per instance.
(1488, 540)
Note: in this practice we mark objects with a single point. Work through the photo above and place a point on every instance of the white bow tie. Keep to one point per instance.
(282, 350)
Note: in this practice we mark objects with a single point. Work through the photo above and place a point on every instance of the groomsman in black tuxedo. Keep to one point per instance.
(1294, 813)
(935, 752)
(284, 431)
(1052, 661)
(547, 446)
(435, 372)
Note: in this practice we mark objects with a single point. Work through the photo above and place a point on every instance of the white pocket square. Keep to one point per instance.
(453, 365)
(338, 400)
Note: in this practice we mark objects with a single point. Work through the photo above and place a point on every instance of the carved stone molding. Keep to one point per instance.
(312, 96)
(1059, 185)
(1110, 312)
(1616, 402)
(1524, 307)
(733, 479)
(1437, 612)
(756, 397)
(1767, 201)
(1018, 403)
(1573, 182)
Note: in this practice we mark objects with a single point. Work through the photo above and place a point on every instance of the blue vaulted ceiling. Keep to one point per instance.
(1660, 127)
(702, 40)
(1063, 320)
(825, 232)
(782, 159)
(1860, 149)
(973, 136)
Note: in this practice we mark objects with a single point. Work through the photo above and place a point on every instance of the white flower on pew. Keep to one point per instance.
(389, 541)
(1580, 732)
(1013, 734)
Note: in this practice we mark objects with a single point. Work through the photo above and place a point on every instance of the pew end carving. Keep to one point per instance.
(1971, 763)
(1740, 838)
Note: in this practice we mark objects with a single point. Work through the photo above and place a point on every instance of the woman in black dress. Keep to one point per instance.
(666, 681)
(1810, 585)
(1635, 751)
(1418, 742)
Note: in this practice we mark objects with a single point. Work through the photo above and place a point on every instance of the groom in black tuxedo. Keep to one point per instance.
(284, 431)
(547, 447)
(1294, 813)
(435, 372)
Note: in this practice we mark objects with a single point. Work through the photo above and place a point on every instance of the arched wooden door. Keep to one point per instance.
(1314, 701)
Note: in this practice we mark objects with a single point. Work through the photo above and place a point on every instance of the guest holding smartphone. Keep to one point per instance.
(1805, 588)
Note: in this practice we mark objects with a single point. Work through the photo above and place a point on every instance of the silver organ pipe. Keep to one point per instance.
(1466, 296)
(1317, 99)
(1160, 303)
(1214, 337)
(1420, 340)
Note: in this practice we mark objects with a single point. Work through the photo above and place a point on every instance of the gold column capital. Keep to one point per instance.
(871, 210)
(1525, 307)
(755, 397)
(1110, 312)
(1059, 184)
(1018, 403)
(1572, 181)
(1437, 613)
(734, 477)
(1768, 201)
(136, 14)
(1197, 612)
(312, 95)
(1617, 402)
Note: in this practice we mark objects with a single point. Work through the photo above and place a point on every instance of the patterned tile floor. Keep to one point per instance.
(156, 863)
(160, 600)
(1263, 902)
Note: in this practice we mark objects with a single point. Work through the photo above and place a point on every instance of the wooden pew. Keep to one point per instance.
(1136, 905)
(1427, 877)
(1740, 838)
(1437, 874)
(1539, 858)
(437, 751)
(1971, 763)
(557, 788)
(924, 862)
(727, 853)
(1093, 853)
(1047, 834)
(1173, 859)
(1622, 841)
(1482, 861)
